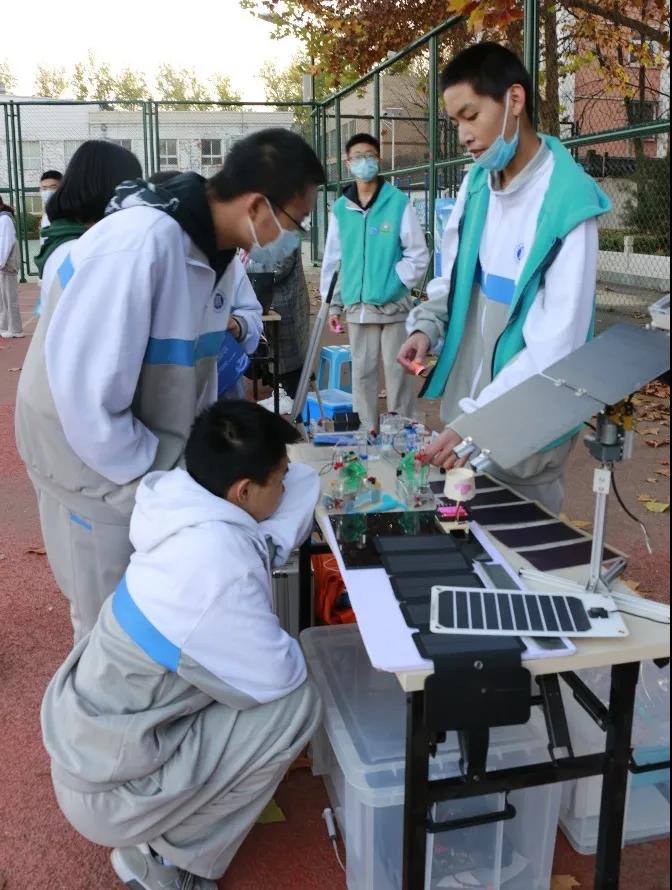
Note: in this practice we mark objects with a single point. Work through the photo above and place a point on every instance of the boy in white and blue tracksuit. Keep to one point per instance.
(126, 354)
(170, 726)
(375, 235)
(516, 291)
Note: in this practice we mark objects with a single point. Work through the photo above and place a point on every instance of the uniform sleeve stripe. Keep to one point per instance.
(183, 352)
(141, 630)
(65, 271)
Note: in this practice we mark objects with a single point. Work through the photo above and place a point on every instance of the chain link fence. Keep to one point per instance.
(39, 135)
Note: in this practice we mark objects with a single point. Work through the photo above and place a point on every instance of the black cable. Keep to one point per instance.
(630, 513)
(643, 617)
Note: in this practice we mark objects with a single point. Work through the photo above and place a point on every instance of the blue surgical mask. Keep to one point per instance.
(365, 169)
(501, 153)
(276, 251)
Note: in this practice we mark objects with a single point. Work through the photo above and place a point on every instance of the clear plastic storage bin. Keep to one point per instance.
(648, 804)
(360, 750)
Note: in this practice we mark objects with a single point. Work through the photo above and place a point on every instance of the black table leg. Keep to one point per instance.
(276, 367)
(305, 586)
(416, 800)
(624, 679)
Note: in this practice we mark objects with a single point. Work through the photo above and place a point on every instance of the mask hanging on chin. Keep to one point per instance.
(276, 251)
(501, 153)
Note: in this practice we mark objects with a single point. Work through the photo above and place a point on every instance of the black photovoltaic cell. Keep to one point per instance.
(564, 617)
(446, 610)
(536, 622)
(548, 613)
(505, 611)
(462, 608)
(520, 614)
(581, 620)
(491, 615)
(476, 610)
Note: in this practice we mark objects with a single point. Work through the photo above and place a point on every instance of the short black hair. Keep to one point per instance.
(6, 207)
(52, 174)
(162, 176)
(235, 440)
(95, 170)
(275, 162)
(362, 139)
(491, 70)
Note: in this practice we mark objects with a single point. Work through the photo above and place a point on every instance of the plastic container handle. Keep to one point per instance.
(509, 812)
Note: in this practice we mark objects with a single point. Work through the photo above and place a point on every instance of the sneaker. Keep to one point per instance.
(286, 404)
(7, 336)
(140, 869)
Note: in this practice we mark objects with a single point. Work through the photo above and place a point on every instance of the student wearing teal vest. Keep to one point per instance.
(375, 235)
(516, 288)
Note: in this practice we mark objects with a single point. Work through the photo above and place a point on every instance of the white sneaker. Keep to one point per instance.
(139, 869)
(7, 336)
(286, 404)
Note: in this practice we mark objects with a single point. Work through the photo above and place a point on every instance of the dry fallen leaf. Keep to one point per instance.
(13, 369)
(564, 882)
(657, 443)
(665, 471)
(652, 480)
(657, 507)
(577, 523)
(38, 551)
(649, 431)
(644, 498)
(665, 462)
(633, 585)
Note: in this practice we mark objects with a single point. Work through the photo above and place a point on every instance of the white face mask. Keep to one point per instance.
(45, 194)
(276, 251)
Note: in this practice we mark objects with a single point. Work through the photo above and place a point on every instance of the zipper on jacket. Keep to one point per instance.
(541, 270)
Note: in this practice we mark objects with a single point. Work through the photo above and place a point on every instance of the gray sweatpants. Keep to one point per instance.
(370, 342)
(541, 477)
(88, 557)
(198, 821)
(10, 316)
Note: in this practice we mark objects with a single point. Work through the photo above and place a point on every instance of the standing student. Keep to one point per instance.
(290, 299)
(10, 315)
(516, 291)
(375, 235)
(95, 170)
(126, 354)
(49, 182)
(170, 727)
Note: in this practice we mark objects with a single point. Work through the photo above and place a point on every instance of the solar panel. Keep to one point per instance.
(465, 610)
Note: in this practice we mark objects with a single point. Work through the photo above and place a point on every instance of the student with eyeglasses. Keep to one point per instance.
(143, 305)
(375, 234)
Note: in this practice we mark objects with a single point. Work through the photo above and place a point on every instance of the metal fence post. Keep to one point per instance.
(339, 147)
(376, 106)
(433, 134)
(157, 141)
(531, 37)
(18, 186)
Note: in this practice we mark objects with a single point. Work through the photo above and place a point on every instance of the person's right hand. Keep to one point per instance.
(335, 325)
(415, 349)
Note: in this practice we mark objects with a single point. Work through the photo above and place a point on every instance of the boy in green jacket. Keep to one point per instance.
(516, 291)
(375, 235)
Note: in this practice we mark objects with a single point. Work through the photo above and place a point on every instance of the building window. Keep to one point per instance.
(70, 146)
(211, 153)
(124, 143)
(31, 157)
(642, 112)
(168, 154)
(34, 204)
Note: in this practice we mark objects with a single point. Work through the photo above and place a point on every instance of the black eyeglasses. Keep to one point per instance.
(303, 226)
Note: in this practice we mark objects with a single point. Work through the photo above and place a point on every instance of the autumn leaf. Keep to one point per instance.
(643, 498)
(652, 480)
(38, 551)
(13, 369)
(564, 882)
(657, 443)
(665, 471)
(633, 585)
(650, 431)
(657, 506)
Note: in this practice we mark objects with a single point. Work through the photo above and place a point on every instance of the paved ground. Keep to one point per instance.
(39, 851)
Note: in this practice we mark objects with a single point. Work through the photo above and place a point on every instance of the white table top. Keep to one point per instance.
(388, 639)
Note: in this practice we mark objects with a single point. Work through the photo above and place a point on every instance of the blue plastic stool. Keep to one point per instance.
(333, 361)
(333, 401)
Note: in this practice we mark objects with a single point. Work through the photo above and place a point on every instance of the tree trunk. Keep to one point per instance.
(549, 105)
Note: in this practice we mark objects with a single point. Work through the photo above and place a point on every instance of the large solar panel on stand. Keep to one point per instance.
(540, 410)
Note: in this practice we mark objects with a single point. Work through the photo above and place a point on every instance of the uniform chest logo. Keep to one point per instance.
(519, 252)
(218, 302)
